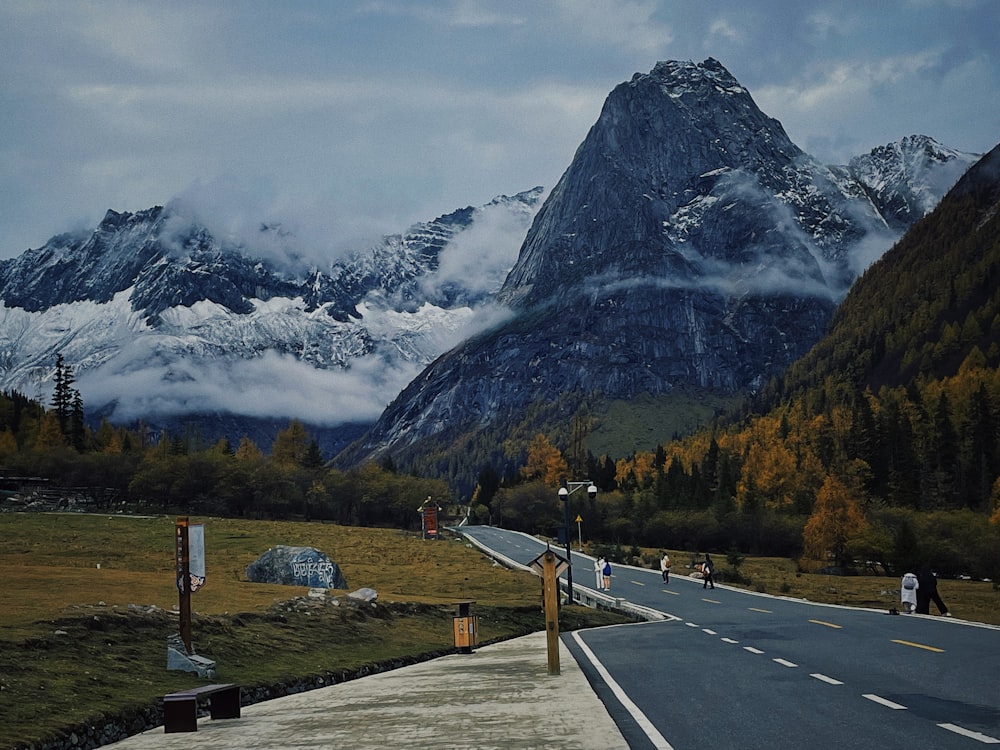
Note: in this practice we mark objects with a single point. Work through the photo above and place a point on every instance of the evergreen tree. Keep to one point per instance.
(62, 394)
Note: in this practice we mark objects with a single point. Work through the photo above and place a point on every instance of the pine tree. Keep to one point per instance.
(62, 394)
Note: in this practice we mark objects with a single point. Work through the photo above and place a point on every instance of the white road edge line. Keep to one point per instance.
(827, 680)
(884, 701)
(984, 738)
(644, 723)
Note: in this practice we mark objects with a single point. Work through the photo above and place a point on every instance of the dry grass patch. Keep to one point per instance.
(72, 649)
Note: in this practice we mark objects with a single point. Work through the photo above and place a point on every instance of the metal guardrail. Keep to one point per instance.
(582, 595)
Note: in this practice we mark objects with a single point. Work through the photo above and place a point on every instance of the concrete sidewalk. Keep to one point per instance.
(500, 696)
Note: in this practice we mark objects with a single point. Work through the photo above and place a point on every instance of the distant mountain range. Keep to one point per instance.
(689, 244)
(164, 322)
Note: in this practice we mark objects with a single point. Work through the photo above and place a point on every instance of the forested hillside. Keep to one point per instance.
(49, 460)
(884, 441)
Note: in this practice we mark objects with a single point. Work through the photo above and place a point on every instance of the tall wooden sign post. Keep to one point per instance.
(184, 580)
(549, 565)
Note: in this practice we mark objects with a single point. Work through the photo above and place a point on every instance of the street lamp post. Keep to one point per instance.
(567, 489)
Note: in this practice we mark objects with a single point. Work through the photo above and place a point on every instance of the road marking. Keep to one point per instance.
(644, 723)
(824, 678)
(711, 601)
(709, 631)
(668, 591)
(765, 611)
(919, 645)
(884, 701)
(752, 650)
(637, 583)
(691, 624)
(984, 738)
(729, 640)
(827, 624)
(785, 663)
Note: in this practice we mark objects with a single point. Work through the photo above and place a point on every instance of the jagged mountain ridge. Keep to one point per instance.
(689, 243)
(151, 304)
(162, 319)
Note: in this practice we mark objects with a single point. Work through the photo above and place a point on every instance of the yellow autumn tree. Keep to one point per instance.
(248, 451)
(290, 445)
(836, 519)
(544, 462)
(8, 443)
(49, 435)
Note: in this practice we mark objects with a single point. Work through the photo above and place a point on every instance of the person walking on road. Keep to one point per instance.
(927, 592)
(599, 573)
(908, 588)
(665, 567)
(607, 575)
(707, 568)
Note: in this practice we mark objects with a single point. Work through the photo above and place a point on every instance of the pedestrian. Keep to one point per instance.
(665, 567)
(908, 588)
(607, 575)
(927, 592)
(599, 572)
(707, 568)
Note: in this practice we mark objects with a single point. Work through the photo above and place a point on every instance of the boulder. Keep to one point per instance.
(296, 566)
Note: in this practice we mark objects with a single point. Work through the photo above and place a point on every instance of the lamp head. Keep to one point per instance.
(563, 494)
(592, 491)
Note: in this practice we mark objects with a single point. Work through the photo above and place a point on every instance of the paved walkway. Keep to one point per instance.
(499, 696)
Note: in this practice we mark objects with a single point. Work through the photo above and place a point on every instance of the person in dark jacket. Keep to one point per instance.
(927, 592)
(707, 569)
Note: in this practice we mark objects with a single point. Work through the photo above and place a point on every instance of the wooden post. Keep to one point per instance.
(184, 581)
(550, 588)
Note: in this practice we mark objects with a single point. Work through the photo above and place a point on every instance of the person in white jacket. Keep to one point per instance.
(908, 593)
(665, 567)
(599, 572)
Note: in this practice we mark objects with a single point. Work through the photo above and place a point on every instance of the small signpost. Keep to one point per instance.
(182, 538)
(549, 565)
(429, 519)
(189, 542)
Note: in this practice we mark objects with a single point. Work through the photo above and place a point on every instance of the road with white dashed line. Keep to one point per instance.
(729, 668)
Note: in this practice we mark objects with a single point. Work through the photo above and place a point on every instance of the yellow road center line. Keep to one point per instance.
(827, 624)
(919, 645)
(668, 591)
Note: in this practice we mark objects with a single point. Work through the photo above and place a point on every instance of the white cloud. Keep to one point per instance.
(724, 29)
(272, 385)
(628, 23)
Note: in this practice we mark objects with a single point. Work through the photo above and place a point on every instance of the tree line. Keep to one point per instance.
(117, 467)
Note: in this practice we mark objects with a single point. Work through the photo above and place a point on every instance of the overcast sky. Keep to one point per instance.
(346, 119)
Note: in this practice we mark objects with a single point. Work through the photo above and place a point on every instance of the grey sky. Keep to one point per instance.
(348, 119)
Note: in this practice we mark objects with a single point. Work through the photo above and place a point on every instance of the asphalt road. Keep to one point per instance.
(728, 668)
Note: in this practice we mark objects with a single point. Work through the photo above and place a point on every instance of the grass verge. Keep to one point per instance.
(88, 605)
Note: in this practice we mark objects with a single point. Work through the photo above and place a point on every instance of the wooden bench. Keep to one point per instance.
(180, 709)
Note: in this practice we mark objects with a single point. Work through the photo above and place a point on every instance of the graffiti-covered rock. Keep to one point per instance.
(296, 566)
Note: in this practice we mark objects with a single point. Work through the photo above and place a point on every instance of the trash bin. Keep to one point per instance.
(466, 627)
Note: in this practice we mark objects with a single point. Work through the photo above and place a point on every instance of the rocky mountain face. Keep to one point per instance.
(689, 244)
(160, 320)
